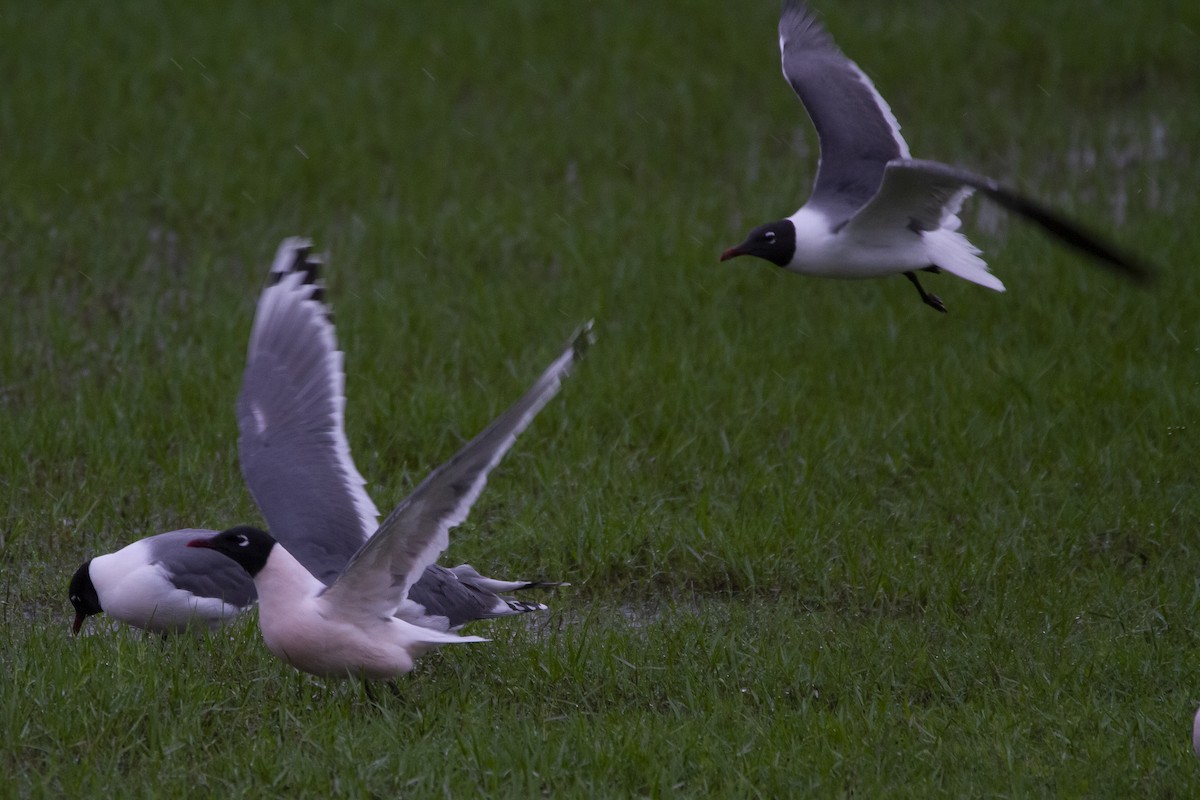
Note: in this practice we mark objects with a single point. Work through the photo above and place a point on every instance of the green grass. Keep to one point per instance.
(821, 540)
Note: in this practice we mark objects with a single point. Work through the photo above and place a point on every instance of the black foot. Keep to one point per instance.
(392, 686)
(931, 300)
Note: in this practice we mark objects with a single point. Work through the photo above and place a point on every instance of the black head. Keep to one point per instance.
(775, 242)
(83, 596)
(245, 545)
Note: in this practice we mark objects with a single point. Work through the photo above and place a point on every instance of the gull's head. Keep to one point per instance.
(83, 596)
(245, 545)
(774, 242)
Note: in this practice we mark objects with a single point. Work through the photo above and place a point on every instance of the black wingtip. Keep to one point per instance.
(306, 263)
(1074, 235)
(295, 257)
(582, 339)
(523, 606)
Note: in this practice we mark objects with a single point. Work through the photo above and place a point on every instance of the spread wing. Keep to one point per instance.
(858, 133)
(378, 577)
(292, 444)
(922, 194)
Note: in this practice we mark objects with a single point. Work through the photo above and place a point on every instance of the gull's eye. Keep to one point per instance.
(243, 540)
(770, 237)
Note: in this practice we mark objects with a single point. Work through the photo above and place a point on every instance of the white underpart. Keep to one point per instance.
(882, 251)
(953, 252)
(140, 593)
(306, 628)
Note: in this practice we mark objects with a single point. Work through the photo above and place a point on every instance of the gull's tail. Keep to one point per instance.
(949, 250)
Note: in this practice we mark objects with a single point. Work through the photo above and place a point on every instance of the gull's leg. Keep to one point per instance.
(931, 300)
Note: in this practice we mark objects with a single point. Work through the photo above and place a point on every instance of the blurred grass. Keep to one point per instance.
(820, 539)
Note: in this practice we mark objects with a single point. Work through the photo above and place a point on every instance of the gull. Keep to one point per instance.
(350, 627)
(296, 462)
(874, 210)
(159, 585)
(1196, 733)
(295, 456)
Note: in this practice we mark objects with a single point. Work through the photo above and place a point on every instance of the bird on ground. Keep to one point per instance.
(874, 210)
(296, 460)
(160, 585)
(350, 627)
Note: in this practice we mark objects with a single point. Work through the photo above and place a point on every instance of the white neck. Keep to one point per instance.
(283, 581)
(814, 240)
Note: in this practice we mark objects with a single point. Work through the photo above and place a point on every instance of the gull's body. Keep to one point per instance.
(296, 459)
(353, 626)
(159, 585)
(314, 630)
(876, 211)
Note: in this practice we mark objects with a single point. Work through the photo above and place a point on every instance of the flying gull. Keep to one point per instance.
(296, 459)
(160, 585)
(875, 210)
(353, 627)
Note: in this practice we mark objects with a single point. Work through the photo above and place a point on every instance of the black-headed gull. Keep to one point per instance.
(296, 459)
(160, 585)
(350, 628)
(875, 210)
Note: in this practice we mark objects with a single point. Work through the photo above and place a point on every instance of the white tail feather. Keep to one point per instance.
(951, 251)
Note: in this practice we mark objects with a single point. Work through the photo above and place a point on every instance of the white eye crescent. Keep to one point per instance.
(243, 540)
(770, 236)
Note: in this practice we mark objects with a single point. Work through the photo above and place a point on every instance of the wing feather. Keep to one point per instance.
(292, 441)
(378, 577)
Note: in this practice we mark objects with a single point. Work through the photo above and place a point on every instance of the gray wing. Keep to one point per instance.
(858, 133)
(914, 197)
(378, 577)
(204, 573)
(292, 444)
(450, 598)
(920, 193)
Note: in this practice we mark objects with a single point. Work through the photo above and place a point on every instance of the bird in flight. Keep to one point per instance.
(874, 210)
